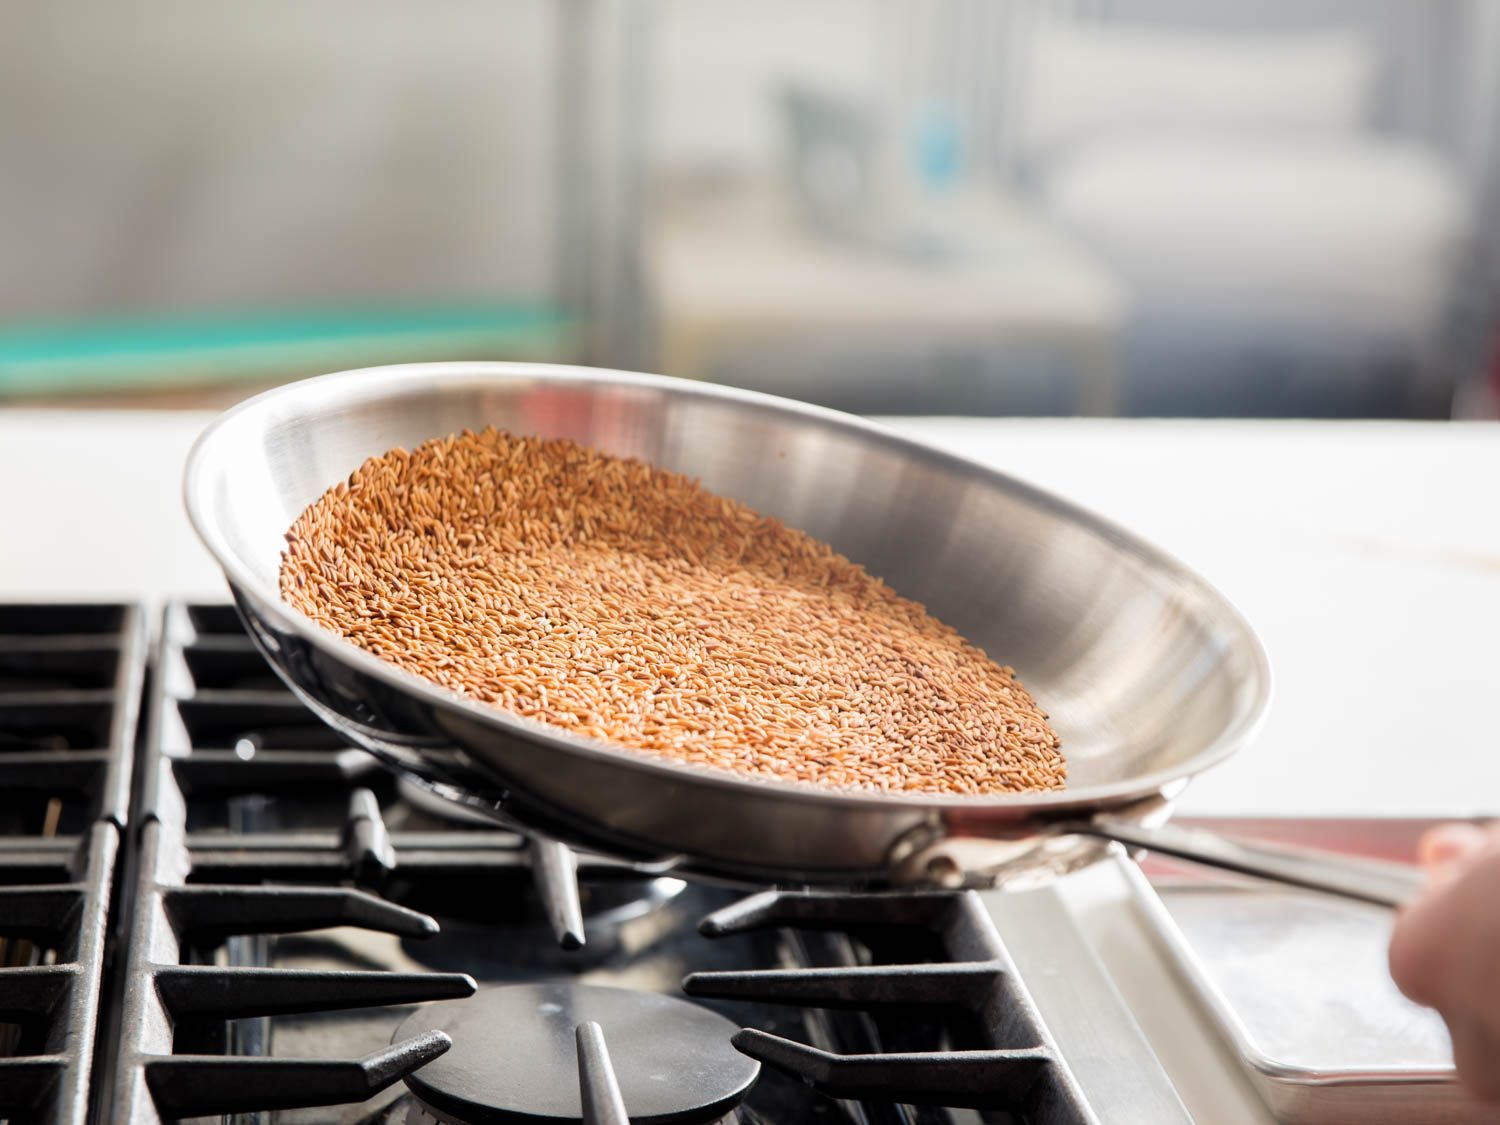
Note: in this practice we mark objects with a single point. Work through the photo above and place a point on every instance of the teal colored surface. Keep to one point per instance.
(118, 353)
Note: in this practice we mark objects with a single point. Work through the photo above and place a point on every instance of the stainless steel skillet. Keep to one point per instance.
(1149, 674)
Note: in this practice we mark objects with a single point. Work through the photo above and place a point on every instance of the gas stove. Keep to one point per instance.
(212, 908)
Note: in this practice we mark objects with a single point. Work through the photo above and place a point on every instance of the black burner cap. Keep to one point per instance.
(515, 1055)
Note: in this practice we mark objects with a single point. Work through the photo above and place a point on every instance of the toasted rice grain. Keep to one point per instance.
(627, 603)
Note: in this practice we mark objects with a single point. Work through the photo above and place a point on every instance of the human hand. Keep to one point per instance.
(1445, 950)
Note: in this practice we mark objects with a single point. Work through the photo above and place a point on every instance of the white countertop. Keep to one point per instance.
(1367, 555)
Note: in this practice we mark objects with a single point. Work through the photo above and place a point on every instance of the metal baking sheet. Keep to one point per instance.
(1297, 983)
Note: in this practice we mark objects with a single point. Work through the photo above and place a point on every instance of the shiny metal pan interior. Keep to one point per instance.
(1148, 673)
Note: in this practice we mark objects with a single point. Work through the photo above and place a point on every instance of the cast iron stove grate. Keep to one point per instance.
(229, 730)
(253, 821)
(70, 685)
(240, 755)
(1015, 1067)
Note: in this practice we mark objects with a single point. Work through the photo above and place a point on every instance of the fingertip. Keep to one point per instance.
(1410, 961)
(1448, 843)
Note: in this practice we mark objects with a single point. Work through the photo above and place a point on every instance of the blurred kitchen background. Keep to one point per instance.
(1137, 207)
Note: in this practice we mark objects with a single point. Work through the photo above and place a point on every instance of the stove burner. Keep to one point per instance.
(515, 1056)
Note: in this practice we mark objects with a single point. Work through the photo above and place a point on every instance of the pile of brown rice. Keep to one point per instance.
(621, 601)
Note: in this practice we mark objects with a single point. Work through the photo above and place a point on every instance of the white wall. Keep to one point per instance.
(176, 153)
(172, 153)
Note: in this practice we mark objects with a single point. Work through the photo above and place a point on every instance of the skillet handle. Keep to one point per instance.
(1366, 880)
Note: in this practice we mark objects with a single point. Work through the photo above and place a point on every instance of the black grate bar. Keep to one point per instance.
(554, 870)
(971, 1079)
(55, 1006)
(195, 892)
(37, 858)
(366, 843)
(312, 855)
(235, 641)
(931, 910)
(857, 986)
(202, 991)
(598, 1088)
(1018, 1068)
(162, 997)
(199, 1085)
(73, 693)
(275, 706)
(294, 855)
(214, 911)
(70, 692)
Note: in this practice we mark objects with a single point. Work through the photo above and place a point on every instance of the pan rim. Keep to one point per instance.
(374, 383)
